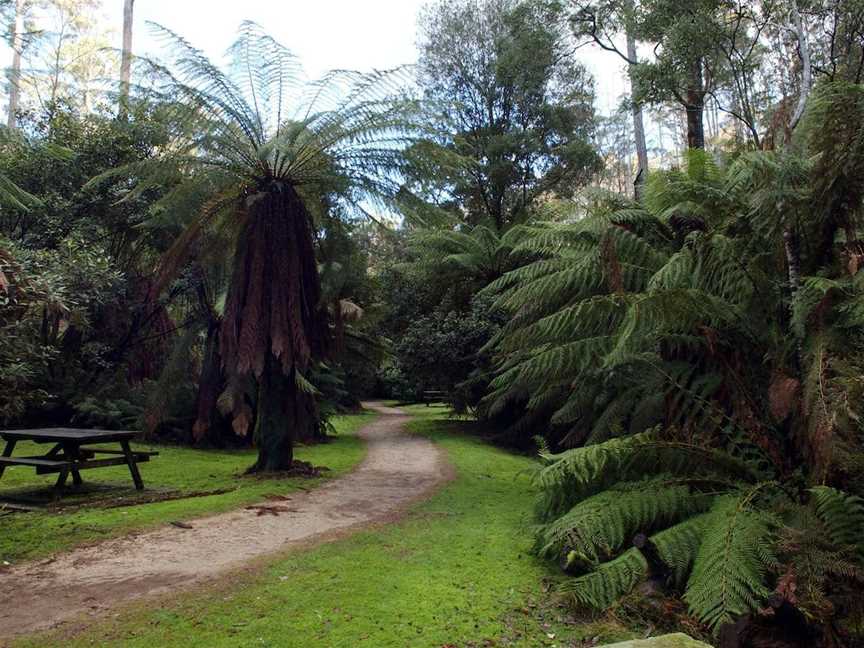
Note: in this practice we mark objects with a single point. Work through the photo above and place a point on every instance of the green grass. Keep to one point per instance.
(455, 572)
(178, 470)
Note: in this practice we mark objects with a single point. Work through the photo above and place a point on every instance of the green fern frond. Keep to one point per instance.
(730, 570)
(600, 588)
(599, 526)
(575, 474)
(679, 545)
(842, 515)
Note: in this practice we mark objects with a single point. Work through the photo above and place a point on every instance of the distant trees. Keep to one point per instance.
(727, 55)
(61, 56)
(510, 110)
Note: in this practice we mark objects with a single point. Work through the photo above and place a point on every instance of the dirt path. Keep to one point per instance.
(397, 470)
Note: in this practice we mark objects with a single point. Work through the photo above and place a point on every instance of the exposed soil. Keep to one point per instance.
(398, 470)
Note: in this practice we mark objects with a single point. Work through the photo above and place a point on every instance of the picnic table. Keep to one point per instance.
(70, 452)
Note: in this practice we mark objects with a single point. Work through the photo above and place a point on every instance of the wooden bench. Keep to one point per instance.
(433, 395)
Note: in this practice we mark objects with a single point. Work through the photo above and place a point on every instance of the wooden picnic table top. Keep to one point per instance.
(75, 435)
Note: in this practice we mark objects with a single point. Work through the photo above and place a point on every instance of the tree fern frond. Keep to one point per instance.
(679, 545)
(599, 526)
(729, 573)
(842, 515)
(575, 474)
(600, 588)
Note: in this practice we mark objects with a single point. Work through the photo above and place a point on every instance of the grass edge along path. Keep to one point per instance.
(454, 573)
(31, 536)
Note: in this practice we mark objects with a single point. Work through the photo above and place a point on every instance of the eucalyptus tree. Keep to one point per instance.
(16, 42)
(511, 109)
(710, 53)
(126, 60)
(258, 155)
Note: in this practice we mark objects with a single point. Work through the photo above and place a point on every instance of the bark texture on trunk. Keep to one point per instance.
(126, 60)
(17, 44)
(806, 66)
(638, 124)
(695, 125)
(695, 107)
(275, 419)
(211, 428)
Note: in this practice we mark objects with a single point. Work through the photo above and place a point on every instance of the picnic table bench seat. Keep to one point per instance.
(38, 462)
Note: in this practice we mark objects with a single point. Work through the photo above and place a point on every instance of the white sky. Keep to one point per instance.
(324, 34)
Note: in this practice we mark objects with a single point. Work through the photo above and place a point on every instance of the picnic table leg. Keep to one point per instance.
(61, 482)
(72, 452)
(53, 452)
(7, 452)
(133, 467)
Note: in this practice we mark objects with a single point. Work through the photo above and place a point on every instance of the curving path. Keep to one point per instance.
(398, 470)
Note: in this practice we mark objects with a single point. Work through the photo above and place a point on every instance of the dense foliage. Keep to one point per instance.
(229, 255)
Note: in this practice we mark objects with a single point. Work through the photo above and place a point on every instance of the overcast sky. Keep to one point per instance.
(324, 34)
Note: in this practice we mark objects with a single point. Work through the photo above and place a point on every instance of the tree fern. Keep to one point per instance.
(256, 156)
(664, 329)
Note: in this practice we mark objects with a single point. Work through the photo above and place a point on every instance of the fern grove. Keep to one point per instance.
(700, 353)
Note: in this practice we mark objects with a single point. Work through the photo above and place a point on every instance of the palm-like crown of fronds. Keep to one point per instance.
(259, 121)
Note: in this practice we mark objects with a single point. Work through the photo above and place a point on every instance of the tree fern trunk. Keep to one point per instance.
(276, 419)
(338, 326)
(211, 428)
(274, 323)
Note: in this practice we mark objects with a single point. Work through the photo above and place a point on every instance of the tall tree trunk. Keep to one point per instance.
(17, 44)
(638, 124)
(126, 61)
(695, 107)
(806, 66)
(695, 130)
